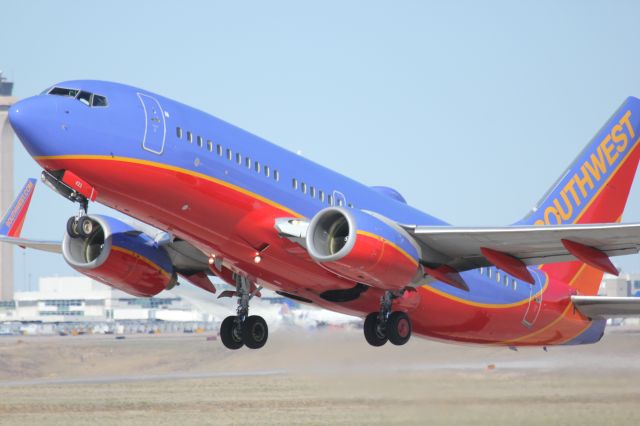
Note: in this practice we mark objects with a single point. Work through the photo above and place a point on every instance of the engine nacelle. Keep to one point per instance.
(362, 247)
(121, 257)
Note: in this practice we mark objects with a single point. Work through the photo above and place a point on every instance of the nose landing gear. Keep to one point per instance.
(387, 325)
(241, 329)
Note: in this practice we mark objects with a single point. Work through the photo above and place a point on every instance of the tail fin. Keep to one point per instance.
(13, 219)
(594, 189)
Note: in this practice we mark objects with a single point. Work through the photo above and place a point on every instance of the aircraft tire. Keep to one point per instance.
(72, 227)
(85, 226)
(399, 328)
(255, 332)
(372, 333)
(229, 334)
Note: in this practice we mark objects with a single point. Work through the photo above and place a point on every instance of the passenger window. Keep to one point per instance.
(229, 154)
(219, 149)
(267, 171)
(85, 98)
(489, 272)
(247, 162)
(257, 166)
(200, 141)
(481, 270)
(276, 175)
(350, 205)
(340, 202)
(238, 158)
(312, 192)
(210, 146)
(189, 136)
(330, 199)
(321, 195)
(498, 276)
(515, 284)
(506, 280)
(179, 132)
(99, 101)
(294, 183)
(304, 188)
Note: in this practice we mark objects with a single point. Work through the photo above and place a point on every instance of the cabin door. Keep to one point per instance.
(155, 129)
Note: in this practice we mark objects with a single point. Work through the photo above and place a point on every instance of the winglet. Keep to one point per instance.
(13, 219)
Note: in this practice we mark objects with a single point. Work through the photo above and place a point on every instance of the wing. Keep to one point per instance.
(599, 307)
(50, 246)
(512, 248)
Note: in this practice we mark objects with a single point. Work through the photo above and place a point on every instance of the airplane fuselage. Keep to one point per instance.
(222, 188)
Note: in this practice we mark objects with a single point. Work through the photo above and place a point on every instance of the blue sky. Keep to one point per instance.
(471, 110)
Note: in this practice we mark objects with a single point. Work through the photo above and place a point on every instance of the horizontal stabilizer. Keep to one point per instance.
(598, 307)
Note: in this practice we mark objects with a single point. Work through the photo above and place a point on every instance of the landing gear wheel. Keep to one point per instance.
(398, 328)
(255, 332)
(72, 227)
(85, 226)
(230, 333)
(373, 331)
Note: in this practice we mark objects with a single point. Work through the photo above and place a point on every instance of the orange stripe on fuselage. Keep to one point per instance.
(487, 305)
(389, 243)
(174, 169)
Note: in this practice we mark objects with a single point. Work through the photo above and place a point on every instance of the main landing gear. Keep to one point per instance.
(242, 329)
(80, 225)
(387, 325)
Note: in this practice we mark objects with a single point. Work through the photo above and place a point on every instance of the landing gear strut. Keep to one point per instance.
(387, 325)
(242, 329)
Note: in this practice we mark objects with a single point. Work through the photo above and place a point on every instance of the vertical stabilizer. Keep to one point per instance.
(594, 189)
(13, 219)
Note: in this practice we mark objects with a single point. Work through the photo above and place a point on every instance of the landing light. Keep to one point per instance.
(257, 259)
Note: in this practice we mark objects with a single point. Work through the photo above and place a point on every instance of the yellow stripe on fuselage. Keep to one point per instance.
(174, 169)
(487, 305)
(385, 241)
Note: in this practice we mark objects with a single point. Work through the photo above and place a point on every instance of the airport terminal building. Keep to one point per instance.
(79, 298)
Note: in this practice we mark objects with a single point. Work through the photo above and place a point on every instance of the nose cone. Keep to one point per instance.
(31, 120)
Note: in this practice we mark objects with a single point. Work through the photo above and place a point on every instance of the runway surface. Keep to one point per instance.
(311, 377)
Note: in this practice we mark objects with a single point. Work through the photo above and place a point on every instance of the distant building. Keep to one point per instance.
(624, 285)
(81, 299)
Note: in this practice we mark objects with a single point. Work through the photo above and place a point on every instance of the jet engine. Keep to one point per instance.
(120, 256)
(363, 247)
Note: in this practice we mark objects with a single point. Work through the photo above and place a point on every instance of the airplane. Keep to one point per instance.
(230, 204)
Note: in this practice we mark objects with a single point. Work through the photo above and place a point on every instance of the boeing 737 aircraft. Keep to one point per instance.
(230, 204)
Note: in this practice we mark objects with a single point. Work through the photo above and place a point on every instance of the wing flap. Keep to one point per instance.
(599, 307)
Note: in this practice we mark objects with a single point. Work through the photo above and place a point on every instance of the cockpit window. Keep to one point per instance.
(99, 101)
(85, 98)
(61, 91)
